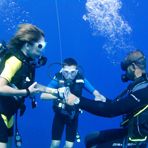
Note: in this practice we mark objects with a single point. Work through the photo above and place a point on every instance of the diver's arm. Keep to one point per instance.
(6, 90)
(113, 108)
(11, 66)
(51, 91)
(61, 92)
(88, 86)
(46, 96)
(47, 90)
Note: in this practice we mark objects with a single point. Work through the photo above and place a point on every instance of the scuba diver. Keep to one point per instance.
(132, 103)
(17, 72)
(68, 78)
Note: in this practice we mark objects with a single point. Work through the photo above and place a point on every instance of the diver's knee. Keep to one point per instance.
(55, 144)
(68, 144)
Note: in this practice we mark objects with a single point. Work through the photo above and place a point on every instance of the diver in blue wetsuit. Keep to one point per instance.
(66, 115)
(132, 103)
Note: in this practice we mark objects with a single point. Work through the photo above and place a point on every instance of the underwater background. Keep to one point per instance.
(97, 33)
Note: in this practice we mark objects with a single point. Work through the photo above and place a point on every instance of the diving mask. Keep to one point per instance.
(134, 57)
(124, 66)
(40, 45)
(69, 73)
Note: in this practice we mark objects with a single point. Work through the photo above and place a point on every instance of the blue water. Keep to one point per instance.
(96, 40)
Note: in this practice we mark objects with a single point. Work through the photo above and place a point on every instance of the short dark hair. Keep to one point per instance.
(69, 62)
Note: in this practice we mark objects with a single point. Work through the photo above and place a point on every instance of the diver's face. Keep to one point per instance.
(69, 72)
(130, 72)
(36, 48)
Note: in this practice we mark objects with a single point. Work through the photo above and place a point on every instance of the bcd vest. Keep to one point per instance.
(137, 122)
(76, 87)
(22, 79)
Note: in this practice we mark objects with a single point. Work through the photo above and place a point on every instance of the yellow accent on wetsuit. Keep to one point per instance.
(12, 65)
(138, 140)
(142, 110)
(9, 123)
(136, 114)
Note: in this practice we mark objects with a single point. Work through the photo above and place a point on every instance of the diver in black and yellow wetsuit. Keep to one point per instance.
(17, 76)
(132, 103)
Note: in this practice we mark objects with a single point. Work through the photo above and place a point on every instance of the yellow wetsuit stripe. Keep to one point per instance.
(12, 65)
(124, 122)
(8, 123)
(142, 110)
(138, 140)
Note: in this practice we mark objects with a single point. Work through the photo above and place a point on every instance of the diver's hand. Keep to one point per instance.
(63, 92)
(98, 96)
(33, 89)
(72, 99)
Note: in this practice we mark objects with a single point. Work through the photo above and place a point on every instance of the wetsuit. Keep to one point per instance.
(17, 69)
(129, 103)
(67, 115)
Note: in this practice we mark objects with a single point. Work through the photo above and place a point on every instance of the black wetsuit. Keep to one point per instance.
(66, 116)
(130, 102)
(22, 78)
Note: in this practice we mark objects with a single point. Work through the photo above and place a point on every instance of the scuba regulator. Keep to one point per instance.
(41, 61)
